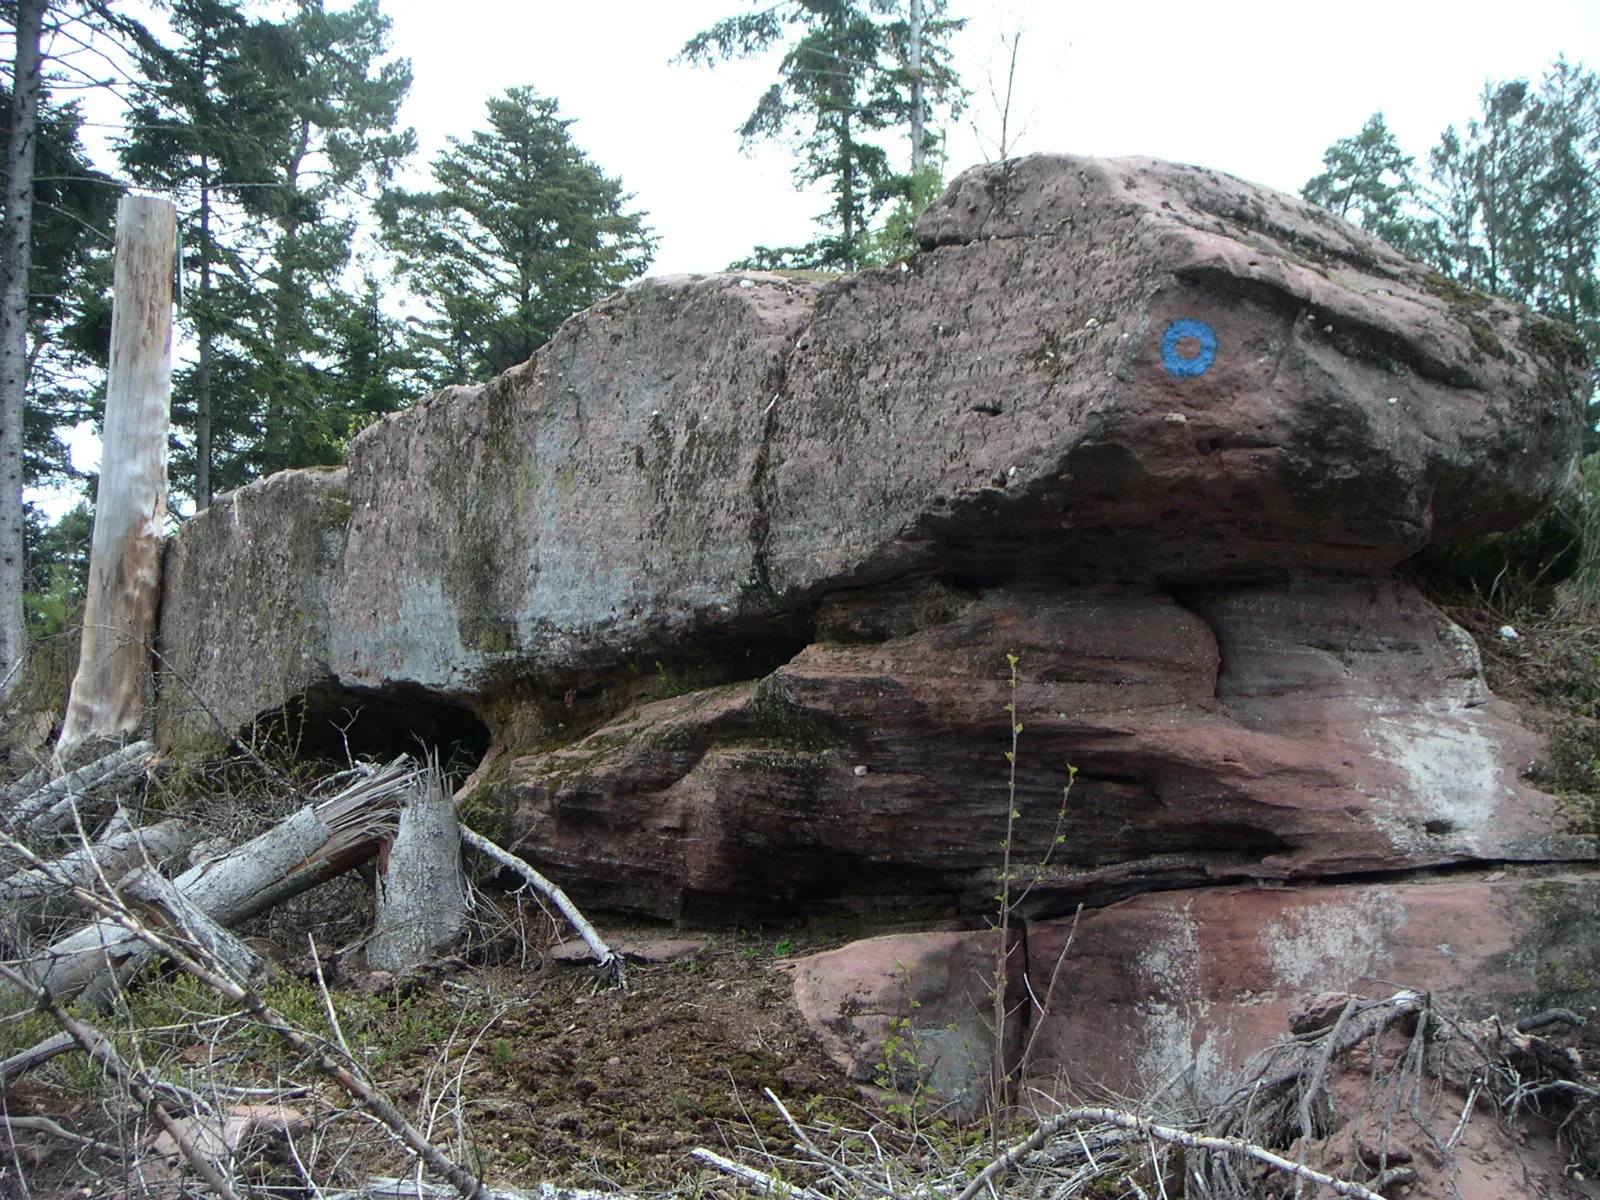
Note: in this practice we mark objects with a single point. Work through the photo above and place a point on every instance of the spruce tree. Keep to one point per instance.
(329, 104)
(277, 131)
(522, 232)
(1517, 196)
(848, 77)
(54, 263)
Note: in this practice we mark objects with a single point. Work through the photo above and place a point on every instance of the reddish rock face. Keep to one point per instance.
(915, 1012)
(1264, 733)
(1187, 986)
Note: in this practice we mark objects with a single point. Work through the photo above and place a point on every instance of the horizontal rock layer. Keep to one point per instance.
(1272, 733)
(1168, 996)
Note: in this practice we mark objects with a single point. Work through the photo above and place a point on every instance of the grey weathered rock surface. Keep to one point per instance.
(592, 503)
(244, 604)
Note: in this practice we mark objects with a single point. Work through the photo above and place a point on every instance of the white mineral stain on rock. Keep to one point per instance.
(1171, 1045)
(1334, 945)
(1454, 779)
(1169, 1050)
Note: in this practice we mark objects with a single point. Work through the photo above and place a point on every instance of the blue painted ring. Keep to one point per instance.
(1188, 368)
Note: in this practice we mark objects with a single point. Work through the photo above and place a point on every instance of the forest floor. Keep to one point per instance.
(526, 1068)
(529, 1069)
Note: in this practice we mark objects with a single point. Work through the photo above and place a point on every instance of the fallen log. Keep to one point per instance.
(389, 1188)
(193, 925)
(47, 806)
(111, 856)
(25, 786)
(305, 849)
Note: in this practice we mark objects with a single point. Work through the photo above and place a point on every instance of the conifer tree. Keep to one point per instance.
(188, 135)
(277, 130)
(848, 77)
(1517, 202)
(329, 103)
(1368, 180)
(522, 232)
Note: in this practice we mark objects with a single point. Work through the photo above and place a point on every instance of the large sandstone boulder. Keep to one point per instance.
(593, 504)
(734, 570)
(1098, 370)
(1126, 365)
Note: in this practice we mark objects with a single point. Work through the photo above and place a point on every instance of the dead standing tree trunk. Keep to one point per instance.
(109, 691)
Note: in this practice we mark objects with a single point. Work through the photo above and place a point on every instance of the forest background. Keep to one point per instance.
(331, 272)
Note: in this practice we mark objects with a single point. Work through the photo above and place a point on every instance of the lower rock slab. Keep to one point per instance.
(1179, 990)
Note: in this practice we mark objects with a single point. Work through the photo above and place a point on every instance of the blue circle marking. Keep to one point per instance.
(1188, 368)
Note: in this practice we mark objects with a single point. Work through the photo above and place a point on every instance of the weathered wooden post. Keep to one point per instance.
(109, 691)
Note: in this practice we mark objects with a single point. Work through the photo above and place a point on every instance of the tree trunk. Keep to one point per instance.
(109, 691)
(111, 857)
(422, 895)
(14, 264)
(202, 372)
(918, 150)
(847, 191)
(36, 811)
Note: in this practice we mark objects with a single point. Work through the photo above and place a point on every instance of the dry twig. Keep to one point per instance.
(607, 957)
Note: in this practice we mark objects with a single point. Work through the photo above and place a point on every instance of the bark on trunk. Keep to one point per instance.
(192, 924)
(202, 375)
(422, 896)
(14, 264)
(110, 689)
(112, 857)
(918, 150)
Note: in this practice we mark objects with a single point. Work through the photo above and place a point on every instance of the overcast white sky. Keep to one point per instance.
(1258, 89)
